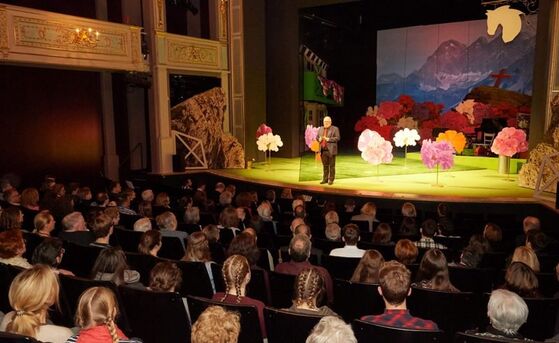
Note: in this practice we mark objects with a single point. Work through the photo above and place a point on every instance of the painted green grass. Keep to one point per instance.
(353, 166)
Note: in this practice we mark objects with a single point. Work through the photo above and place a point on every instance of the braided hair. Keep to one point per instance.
(98, 306)
(235, 270)
(309, 288)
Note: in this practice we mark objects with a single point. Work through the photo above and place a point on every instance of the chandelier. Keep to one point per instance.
(86, 38)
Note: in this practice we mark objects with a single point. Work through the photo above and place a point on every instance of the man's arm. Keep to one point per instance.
(335, 135)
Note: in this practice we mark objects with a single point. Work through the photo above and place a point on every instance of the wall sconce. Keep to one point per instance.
(85, 37)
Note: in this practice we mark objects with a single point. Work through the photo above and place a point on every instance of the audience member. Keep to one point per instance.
(368, 213)
(444, 222)
(383, 234)
(244, 244)
(31, 294)
(331, 329)
(11, 218)
(150, 243)
(29, 206)
(102, 230)
(395, 280)
(428, 230)
(408, 227)
(229, 225)
(111, 265)
(527, 256)
(528, 224)
(236, 274)
(470, 256)
(308, 294)
(75, 230)
(494, 236)
(197, 248)
(96, 318)
(350, 237)
(300, 251)
(507, 312)
(368, 268)
(406, 252)
(167, 223)
(142, 225)
(12, 248)
(216, 249)
(43, 224)
(165, 277)
(216, 324)
(50, 253)
(433, 272)
(521, 279)
(333, 232)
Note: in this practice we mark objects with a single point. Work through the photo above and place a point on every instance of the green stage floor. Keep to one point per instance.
(472, 178)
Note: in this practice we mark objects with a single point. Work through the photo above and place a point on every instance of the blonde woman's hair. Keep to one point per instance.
(527, 256)
(31, 294)
(41, 220)
(216, 324)
(408, 210)
(98, 306)
(369, 209)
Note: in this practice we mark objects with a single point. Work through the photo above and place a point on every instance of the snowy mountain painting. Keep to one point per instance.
(442, 63)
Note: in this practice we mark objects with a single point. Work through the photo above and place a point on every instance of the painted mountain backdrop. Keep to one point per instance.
(442, 63)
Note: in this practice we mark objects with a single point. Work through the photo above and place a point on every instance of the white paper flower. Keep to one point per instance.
(406, 137)
(269, 141)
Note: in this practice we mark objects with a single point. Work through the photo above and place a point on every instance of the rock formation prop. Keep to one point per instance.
(202, 117)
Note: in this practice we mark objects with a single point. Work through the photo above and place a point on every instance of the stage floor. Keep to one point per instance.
(473, 178)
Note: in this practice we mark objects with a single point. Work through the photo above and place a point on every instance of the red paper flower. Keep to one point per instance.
(389, 109)
(262, 130)
(407, 103)
(454, 121)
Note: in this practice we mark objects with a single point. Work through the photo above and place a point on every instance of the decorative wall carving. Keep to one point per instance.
(185, 52)
(33, 36)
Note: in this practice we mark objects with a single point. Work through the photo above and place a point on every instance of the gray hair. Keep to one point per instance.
(331, 329)
(331, 217)
(70, 221)
(225, 198)
(142, 225)
(333, 232)
(192, 215)
(166, 221)
(264, 210)
(506, 311)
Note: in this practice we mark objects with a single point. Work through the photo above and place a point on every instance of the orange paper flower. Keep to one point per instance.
(456, 139)
(315, 146)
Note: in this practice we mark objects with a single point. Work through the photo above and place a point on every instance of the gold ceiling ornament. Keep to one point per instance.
(87, 38)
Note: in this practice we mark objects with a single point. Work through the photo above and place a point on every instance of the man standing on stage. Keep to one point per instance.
(328, 137)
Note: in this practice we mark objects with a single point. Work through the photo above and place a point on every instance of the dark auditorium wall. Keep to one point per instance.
(50, 122)
(81, 8)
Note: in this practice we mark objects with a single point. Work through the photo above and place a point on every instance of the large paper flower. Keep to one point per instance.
(374, 149)
(262, 130)
(406, 137)
(315, 146)
(456, 139)
(437, 153)
(454, 121)
(269, 141)
(509, 142)
(466, 107)
(389, 109)
(275, 142)
(407, 122)
(310, 135)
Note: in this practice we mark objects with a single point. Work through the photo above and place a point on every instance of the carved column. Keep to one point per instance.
(162, 144)
(223, 36)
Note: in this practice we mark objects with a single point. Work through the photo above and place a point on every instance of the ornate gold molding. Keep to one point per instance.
(178, 52)
(160, 14)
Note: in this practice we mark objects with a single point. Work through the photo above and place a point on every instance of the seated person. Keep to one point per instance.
(216, 324)
(50, 253)
(300, 251)
(368, 268)
(102, 230)
(32, 293)
(95, 317)
(470, 256)
(383, 234)
(165, 277)
(43, 223)
(350, 237)
(12, 248)
(308, 293)
(332, 330)
(75, 230)
(395, 280)
(150, 243)
(433, 272)
(236, 274)
(333, 232)
(142, 225)
(217, 251)
(527, 256)
(428, 230)
(444, 223)
(406, 252)
(521, 279)
(507, 312)
(368, 214)
(111, 265)
(494, 236)
(167, 223)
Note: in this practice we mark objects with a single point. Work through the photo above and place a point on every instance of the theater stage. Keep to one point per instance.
(471, 179)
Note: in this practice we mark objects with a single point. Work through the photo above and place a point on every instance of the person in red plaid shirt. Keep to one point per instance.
(395, 280)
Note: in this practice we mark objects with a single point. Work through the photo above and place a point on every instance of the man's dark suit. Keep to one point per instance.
(329, 152)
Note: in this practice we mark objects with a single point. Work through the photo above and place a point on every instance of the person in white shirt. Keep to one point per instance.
(350, 238)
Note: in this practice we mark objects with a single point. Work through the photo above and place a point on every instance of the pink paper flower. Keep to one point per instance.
(374, 149)
(262, 130)
(509, 142)
(437, 153)
(389, 109)
(310, 135)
